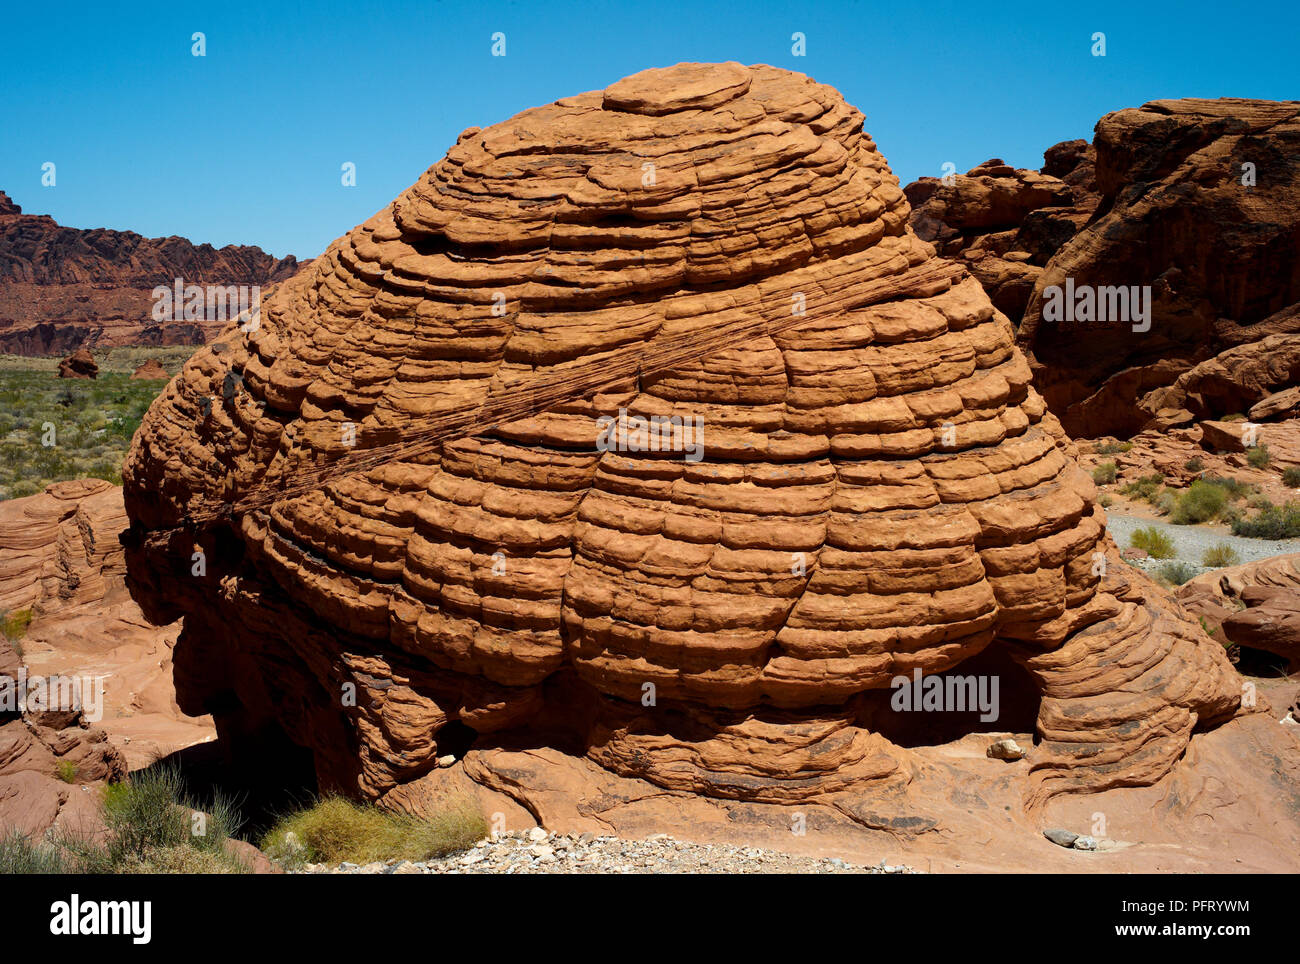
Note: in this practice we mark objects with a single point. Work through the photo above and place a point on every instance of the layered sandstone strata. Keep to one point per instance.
(62, 288)
(1006, 223)
(62, 586)
(881, 489)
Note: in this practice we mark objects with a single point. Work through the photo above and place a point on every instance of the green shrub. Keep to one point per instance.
(1176, 573)
(144, 814)
(14, 624)
(1165, 502)
(1153, 542)
(1220, 555)
(1106, 501)
(1194, 464)
(1274, 522)
(1291, 477)
(336, 830)
(1113, 448)
(1104, 473)
(1201, 502)
(67, 771)
(1235, 488)
(1144, 488)
(1258, 456)
(154, 827)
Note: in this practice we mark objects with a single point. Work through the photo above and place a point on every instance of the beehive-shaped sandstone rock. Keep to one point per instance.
(867, 483)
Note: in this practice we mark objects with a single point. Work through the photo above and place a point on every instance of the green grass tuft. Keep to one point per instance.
(336, 830)
(14, 624)
(1104, 473)
(1220, 555)
(1153, 542)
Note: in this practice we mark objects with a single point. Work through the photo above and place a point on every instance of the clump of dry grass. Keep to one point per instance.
(335, 830)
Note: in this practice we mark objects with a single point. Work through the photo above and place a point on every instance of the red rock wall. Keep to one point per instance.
(62, 288)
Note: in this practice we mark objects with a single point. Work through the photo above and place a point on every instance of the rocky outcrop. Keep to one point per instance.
(870, 486)
(63, 288)
(1259, 376)
(151, 369)
(1200, 204)
(60, 548)
(1006, 223)
(61, 559)
(80, 364)
(1255, 605)
(49, 752)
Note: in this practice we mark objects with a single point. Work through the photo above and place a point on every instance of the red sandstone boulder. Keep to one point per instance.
(877, 493)
(1256, 605)
(80, 364)
(1005, 223)
(151, 369)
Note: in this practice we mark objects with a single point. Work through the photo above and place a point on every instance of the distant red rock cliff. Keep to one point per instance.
(65, 288)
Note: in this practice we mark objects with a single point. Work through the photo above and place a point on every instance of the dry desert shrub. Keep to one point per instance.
(335, 830)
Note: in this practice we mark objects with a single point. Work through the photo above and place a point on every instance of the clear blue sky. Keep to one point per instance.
(245, 145)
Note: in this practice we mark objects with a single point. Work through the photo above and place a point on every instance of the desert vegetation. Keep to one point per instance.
(52, 429)
(335, 830)
(1104, 474)
(1153, 542)
(1175, 573)
(1220, 555)
(1270, 522)
(152, 826)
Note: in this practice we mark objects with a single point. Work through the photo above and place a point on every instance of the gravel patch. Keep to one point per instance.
(1190, 542)
(539, 852)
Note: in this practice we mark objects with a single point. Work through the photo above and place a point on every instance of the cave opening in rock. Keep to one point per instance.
(263, 772)
(455, 739)
(1261, 663)
(995, 694)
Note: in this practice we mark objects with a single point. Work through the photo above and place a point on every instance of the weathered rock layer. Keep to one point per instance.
(63, 288)
(879, 489)
(1199, 203)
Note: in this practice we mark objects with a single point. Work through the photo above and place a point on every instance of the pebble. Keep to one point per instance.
(536, 851)
(1062, 838)
(1005, 750)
